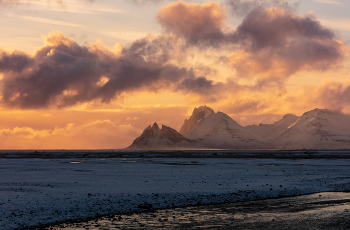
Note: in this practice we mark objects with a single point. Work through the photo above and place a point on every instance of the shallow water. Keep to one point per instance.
(329, 210)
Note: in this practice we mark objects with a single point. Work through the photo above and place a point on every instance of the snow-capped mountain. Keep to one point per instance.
(165, 138)
(219, 131)
(317, 129)
(197, 115)
(272, 131)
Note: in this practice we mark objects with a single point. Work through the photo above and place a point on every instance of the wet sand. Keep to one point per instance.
(330, 210)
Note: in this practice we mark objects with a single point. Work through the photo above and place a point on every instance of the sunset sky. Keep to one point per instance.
(92, 74)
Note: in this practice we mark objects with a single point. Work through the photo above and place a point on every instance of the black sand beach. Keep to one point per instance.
(329, 210)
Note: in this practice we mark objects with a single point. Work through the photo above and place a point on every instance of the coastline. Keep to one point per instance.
(42, 190)
(327, 210)
(207, 153)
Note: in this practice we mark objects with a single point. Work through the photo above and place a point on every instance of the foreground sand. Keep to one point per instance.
(317, 211)
(39, 189)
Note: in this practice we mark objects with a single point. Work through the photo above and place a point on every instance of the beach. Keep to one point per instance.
(48, 189)
(328, 210)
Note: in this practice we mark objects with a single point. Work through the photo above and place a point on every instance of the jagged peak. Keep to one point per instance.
(203, 108)
(197, 115)
(153, 138)
(155, 126)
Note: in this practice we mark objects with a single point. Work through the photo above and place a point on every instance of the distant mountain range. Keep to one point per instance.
(205, 129)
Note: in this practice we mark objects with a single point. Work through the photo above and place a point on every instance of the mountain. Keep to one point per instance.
(272, 131)
(317, 129)
(219, 131)
(165, 138)
(197, 115)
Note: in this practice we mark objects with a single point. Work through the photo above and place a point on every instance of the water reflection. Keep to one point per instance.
(329, 210)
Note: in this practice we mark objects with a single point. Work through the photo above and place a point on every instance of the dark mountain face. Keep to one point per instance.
(149, 132)
(154, 137)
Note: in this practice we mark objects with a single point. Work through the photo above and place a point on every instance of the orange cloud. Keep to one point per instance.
(195, 22)
(269, 46)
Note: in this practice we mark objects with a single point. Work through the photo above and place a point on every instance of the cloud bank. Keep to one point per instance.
(270, 44)
(267, 47)
(63, 73)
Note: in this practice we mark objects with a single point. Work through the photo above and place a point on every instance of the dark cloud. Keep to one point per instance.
(277, 43)
(241, 8)
(200, 85)
(270, 44)
(15, 62)
(273, 27)
(63, 73)
(156, 48)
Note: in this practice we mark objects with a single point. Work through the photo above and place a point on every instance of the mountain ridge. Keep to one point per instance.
(205, 129)
(160, 138)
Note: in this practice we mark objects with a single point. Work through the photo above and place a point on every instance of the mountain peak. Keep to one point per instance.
(197, 115)
(317, 111)
(155, 126)
(271, 131)
(318, 129)
(315, 129)
(289, 115)
(155, 138)
(222, 132)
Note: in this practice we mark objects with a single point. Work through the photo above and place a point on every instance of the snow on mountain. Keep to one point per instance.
(197, 115)
(222, 132)
(271, 131)
(165, 138)
(317, 129)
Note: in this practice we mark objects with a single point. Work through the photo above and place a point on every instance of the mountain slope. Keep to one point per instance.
(317, 129)
(165, 138)
(272, 131)
(222, 132)
(197, 115)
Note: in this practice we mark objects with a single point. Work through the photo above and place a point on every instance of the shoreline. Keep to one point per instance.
(258, 154)
(36, 191)
(288, 204)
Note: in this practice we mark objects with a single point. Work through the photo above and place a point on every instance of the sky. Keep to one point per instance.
(93, 74)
